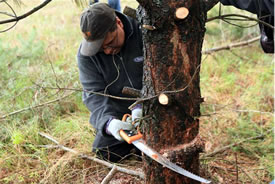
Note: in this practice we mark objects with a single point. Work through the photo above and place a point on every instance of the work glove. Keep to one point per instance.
(136, 114)
(115, 125)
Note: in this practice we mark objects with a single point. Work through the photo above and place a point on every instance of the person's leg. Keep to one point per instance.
(117, 152)
(115, 4)
(92, 2)
(267, 39)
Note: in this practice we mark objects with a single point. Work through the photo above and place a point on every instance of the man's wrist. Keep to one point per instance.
(107, 125)
(138, 106)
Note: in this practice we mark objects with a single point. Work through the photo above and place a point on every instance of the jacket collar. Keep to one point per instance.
(128, 28)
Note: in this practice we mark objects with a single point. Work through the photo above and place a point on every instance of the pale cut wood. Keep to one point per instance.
(163, 99)
(181, 13)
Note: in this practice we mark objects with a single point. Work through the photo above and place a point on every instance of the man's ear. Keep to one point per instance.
(118, 21)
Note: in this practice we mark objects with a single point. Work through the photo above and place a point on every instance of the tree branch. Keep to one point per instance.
(102, 162)
(92, 92)
(224, 17)
(36, 106)
(110, 175)
(26, 14)
(228, 47)
(130, 12)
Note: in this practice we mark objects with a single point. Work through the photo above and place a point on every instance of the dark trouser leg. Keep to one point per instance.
(115, 4)
(92, 2)
(267, 39)
(117, 152)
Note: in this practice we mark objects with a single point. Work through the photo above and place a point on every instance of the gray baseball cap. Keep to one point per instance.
(95, 23)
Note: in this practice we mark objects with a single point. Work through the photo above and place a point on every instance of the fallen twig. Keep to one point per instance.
(230, 46)
(107, 164)
(110, 175)
(237, 168)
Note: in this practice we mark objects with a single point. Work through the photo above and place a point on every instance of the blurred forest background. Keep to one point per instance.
(38, 68)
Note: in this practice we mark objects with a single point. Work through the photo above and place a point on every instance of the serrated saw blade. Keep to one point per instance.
(165, 162)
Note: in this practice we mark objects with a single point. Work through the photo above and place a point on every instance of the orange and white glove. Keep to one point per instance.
(114, 126)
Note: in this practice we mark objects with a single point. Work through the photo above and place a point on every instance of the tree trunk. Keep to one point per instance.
(172, 50)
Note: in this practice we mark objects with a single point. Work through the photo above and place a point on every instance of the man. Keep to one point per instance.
(265, 12)
(109, 58)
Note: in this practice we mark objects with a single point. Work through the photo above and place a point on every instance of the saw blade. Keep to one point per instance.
(165, 162)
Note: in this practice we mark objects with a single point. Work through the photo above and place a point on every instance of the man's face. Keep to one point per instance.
(114, 40)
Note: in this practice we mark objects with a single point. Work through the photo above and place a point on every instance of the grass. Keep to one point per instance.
(39, 52)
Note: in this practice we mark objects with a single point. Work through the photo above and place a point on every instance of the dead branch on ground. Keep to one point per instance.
(110, 175)
(230, 46)
(102, 162)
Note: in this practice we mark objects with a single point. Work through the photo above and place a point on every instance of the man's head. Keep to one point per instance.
(102, 30)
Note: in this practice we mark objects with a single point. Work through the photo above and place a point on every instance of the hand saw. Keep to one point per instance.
(134, 138)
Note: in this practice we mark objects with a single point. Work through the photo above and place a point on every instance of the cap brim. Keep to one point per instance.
(90, 48)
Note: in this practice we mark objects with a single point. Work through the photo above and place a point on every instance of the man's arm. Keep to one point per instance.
(100, 106)
(258, 7)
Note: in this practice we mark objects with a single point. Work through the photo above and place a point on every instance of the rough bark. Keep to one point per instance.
(172, 53)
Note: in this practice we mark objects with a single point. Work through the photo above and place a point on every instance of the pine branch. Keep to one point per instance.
(17, 18)
(36, 106)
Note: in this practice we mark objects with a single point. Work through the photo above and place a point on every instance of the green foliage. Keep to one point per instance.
(17, 137)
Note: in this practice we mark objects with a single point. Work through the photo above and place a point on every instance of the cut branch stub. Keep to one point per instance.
(130, 12)
(164, 99)
(131, 92)
(148, 27)
(181, 13)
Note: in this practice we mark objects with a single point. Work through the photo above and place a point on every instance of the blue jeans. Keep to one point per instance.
(115, 4)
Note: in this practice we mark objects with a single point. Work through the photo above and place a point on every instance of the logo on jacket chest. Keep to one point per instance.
(138, 59)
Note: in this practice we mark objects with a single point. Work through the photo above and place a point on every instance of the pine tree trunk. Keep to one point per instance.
(172, 62)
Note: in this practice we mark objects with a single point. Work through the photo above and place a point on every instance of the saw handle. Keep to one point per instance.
(128, 135)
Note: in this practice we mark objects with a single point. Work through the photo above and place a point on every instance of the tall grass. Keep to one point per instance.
(237, 86)
(39, 54)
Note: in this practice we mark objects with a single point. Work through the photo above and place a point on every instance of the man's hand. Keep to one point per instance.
(116, 125)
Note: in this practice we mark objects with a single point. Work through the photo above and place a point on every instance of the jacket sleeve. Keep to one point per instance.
(101, 107)
(258, 7)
